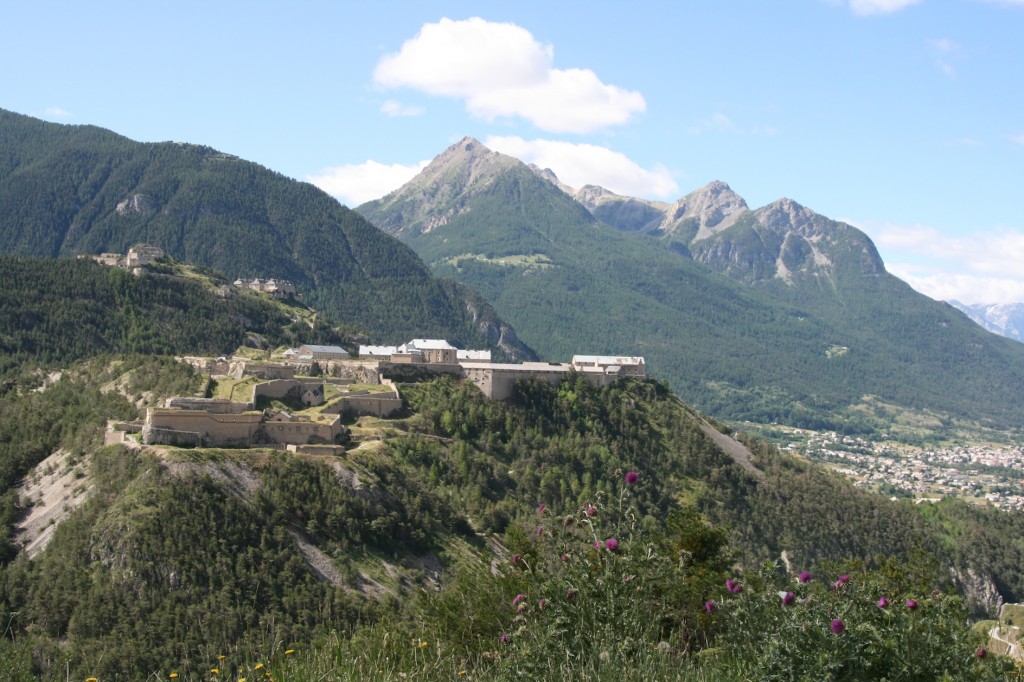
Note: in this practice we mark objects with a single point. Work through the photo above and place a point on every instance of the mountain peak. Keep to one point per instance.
(787, 215)
(434, 196)
(714, 206)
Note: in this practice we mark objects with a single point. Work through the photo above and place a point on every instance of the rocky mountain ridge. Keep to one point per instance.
(782, 240)
(776, 313)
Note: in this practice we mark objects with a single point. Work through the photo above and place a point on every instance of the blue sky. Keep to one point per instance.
(902, 117)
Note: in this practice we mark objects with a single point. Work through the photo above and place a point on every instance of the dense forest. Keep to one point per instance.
(69, 190)
(62, 310)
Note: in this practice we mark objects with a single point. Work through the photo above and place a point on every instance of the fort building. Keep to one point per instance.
(496, 380)
(317, 353)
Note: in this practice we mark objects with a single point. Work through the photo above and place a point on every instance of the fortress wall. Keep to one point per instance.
(374, 404)
(263, 370)
(213, 429)
(211, 405)
(496, 381)
(276, 389)
(301, 433)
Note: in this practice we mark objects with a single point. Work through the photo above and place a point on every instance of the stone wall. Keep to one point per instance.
(211, 405)
(280, 389)
(304, 432)
(195, 427)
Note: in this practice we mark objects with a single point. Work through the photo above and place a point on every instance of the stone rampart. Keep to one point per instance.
(211, 405)
(304, 432)
(179, 427)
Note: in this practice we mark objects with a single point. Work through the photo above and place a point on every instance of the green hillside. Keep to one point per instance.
(718, 319)
(56, 311)
(67, 190)
(125, 590)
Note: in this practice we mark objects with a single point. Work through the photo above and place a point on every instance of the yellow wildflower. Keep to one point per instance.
(461, 673)
(289, 652)
(215, 671)
(258, 666)
(423, 645)
(90, 679)
(221, 657)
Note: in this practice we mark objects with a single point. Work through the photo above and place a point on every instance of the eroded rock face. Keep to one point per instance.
(979, 591)
(138, 204)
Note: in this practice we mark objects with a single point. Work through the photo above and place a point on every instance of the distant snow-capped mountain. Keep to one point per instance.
(1006, 319)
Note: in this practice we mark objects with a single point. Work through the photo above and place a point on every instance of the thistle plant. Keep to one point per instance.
(597, 589)
(863, 625)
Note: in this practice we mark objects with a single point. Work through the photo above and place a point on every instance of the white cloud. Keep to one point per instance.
(869, 7)
(395, 109)
(943, 51)
(958, 287)
(57, 112)
(979, 267)
(586, 164)
(500, 70)
(354, 184)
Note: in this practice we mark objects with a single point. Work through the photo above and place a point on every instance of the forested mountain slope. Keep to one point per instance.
(777, 314)
(295, 546)
(67, 190)
(58, 311)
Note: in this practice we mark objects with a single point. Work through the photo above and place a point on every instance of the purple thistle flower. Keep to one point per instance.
(598, 545)
(804, 577)
(632, 477)
(540, 531)
(611, 544)
(883, 603)
(733, 586)
(570, 594)
(709, 606)
(911, 604)
(518, 598)
(590, 510)
(516, 558)
(541, 603)
(503, 639)
(843, 579)
(838, 626)
(788, 598)
(981, 652)
(541, 508)
(564, 557)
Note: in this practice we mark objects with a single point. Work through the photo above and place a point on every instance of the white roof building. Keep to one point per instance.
(425, 344)
(474, 356)
(377, 351)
